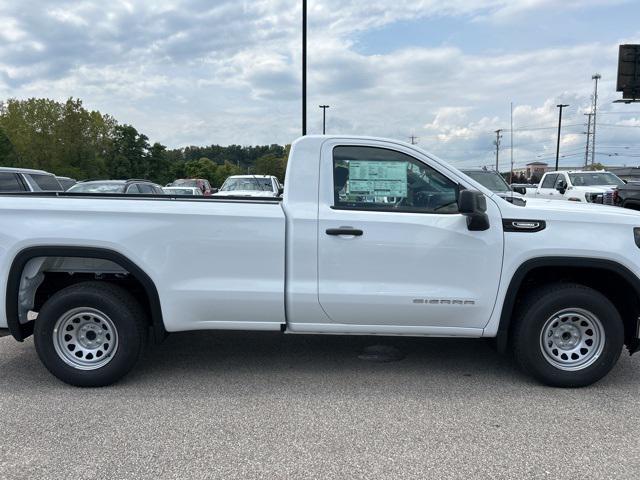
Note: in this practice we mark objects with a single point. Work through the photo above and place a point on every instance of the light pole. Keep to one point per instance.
(595, 77)
(304, 67)
(497, 143)
(561, 106)
(324, 117)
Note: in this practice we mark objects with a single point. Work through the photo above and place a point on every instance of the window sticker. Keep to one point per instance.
(377, 179)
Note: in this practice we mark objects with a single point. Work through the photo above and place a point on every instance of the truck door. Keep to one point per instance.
(547, 187)
(393, 249)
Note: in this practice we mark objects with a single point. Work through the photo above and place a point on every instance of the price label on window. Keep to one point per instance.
(377, 179)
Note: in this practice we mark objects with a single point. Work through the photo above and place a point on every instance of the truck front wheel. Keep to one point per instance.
(567, 335)
(90, 334)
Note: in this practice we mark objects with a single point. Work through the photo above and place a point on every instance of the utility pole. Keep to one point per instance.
(595, 77)
(324, 118)
(561, 106)
(586, 152)
(511, 147)
(497, 142)
(304, 67)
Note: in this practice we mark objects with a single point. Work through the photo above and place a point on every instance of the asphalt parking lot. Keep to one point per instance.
(256, 405)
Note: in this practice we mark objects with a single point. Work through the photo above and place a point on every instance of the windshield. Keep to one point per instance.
(183, 191)
(595, 178)
(247, 184)
(97, 187)
(491, 180)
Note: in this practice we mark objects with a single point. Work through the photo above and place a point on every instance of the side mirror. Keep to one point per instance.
(280, 190)
(562, 186)
(520, 190)
(473, 205)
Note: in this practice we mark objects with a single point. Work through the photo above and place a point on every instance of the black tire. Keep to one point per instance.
(534, 315)
(125, 315)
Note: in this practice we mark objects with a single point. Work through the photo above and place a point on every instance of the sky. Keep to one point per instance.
(200, 72)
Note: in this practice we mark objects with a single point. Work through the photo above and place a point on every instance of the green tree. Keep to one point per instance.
(7, 153)
(63, 138)
(128, 157)
(223, 171)
(271, 164)
(595, 166)
(201, 168)
(158, 164)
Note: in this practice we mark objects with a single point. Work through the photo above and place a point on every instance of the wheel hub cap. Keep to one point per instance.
(572, 339)
(85, 338)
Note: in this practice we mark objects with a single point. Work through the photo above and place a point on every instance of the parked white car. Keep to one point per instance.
(193, 191)
(371, 237)
(250, 186)
(576, 186)
(28, 180)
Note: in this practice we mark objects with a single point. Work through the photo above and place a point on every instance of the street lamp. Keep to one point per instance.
(324, 117)
(304, 67)
(561, 106)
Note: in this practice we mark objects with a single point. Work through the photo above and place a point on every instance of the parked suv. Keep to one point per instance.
(494, 182)
(27, 180)
(127, 187)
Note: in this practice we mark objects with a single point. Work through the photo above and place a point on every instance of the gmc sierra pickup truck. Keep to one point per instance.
(371, 237)
(575, 186)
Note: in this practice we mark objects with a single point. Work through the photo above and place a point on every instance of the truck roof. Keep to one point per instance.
(251, 176)
(23, 170)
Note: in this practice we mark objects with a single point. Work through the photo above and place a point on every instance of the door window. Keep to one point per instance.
(549, 181)
(372, 178)
(9, 183)
(133, 188)
(560, 178)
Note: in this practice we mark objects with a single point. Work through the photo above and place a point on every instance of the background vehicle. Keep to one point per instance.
(129, 187)
(372, 236)
(576, 186)
(183, 191)
(66, 182)
(27, 180)
(626, 196)
(200, 183)
(496, 183)
(250, 186)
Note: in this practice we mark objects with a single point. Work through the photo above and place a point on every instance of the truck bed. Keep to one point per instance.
(200, 252)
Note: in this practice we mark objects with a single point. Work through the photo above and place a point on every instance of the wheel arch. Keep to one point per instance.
(20, 331)
(569, 267)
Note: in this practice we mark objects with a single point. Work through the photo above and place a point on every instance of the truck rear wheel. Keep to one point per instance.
(568, 335)
(90, 334)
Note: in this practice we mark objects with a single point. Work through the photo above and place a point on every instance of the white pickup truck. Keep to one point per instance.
(371, 237)
(250, 186)
(575, 186)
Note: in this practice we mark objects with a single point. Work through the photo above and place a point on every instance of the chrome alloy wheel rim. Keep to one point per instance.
(572, 339)
(85, 338)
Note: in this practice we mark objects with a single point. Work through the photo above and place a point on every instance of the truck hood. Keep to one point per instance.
(547, 209)
(595, 188)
